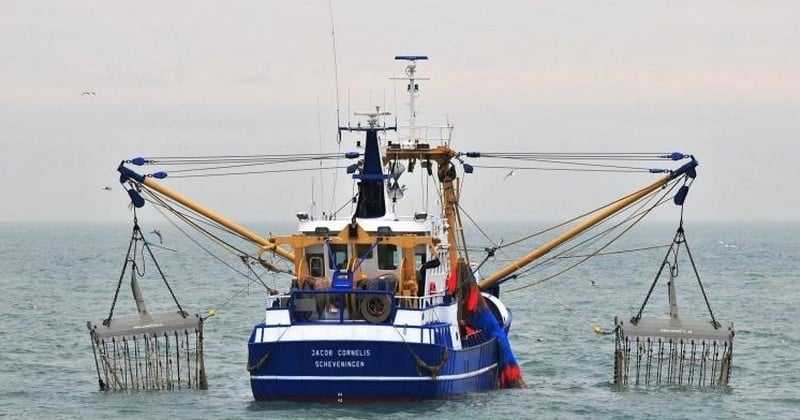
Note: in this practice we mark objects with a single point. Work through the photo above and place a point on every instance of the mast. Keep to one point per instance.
(413, 90)
(442, 155)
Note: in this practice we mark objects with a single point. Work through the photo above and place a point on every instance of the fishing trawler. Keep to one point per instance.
(381, 305)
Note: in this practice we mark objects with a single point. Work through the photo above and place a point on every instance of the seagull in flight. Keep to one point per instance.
(106, 188)
(88, 93)
(727, 245)
(158, 233)
(508, 175)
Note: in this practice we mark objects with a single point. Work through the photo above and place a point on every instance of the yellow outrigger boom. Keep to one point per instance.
(266, 243)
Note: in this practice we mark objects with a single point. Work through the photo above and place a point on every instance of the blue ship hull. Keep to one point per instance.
(350, 371)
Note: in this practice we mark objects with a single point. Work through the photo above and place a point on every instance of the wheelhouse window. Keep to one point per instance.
(364, 251)
(315, 265)
(420, 256)
(338, 257)
(387, 257)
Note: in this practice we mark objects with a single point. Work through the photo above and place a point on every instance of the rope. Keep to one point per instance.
(694, 268)
(107, 321)
(239, 292)
(163, 277)
(259, 364)
(434, 370)
(135, 237)
(265, 358)
(245, 259)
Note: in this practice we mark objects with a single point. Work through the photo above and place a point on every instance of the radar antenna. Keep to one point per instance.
(372, 116)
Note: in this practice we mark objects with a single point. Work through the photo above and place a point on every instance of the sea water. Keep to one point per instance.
(56, 277)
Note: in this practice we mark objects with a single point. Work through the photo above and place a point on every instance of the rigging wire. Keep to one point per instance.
(599, 254)
(661, 201)
(230, 159)
(335, 64)
(562, 224)
(160, 203)
(541, 168)
(584, 160)
(193, 218)
(211, 237)
(321, 171)
(624, 156)
(250, 162)
(335, 175)
(550, 261)
(269, 171)
(586, 243)
(349, 201)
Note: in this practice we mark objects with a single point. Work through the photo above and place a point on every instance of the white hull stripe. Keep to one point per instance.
(374, 378)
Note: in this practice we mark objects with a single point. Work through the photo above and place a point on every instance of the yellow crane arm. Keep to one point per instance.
(601, 215)
(200, 209)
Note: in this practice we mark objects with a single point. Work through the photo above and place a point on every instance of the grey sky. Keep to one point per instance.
(719, 79)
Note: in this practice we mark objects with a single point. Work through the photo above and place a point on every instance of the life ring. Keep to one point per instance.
(376, 308)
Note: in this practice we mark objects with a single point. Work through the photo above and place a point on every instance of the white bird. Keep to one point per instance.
(88, 93)
(508, 175)
(727, 245)
(158, 233)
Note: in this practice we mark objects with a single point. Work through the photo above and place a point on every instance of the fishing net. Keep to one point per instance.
(144, 351)
(671, 351)
(149, 352)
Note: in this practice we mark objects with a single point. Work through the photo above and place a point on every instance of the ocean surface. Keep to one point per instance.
(56, 277)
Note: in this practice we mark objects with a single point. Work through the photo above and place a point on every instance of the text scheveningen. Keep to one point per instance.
(338, 363)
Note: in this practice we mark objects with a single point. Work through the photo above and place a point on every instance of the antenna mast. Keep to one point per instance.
(335, 67)
(413, 90)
